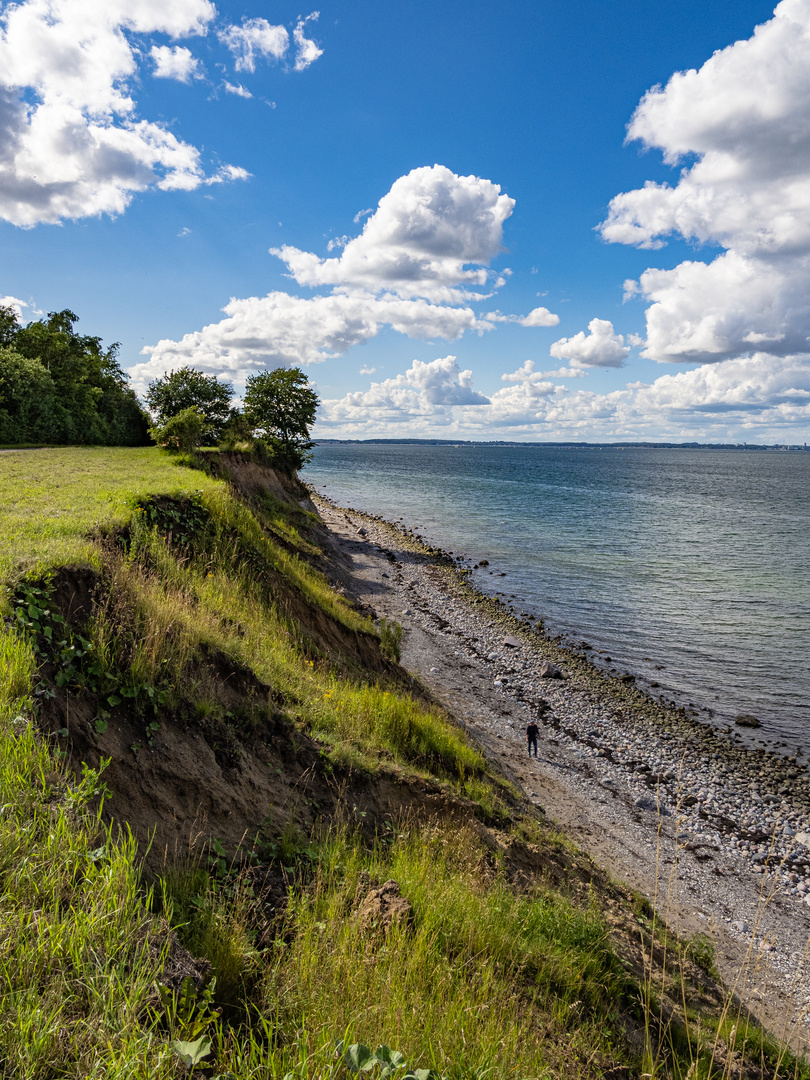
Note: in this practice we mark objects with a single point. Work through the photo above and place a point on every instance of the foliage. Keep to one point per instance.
(82, 663)
(57, 386)
(382, 1062)
(182, 432)
(281, 405)
(188, 388)
(237, 433)
(26, 398)
(390, 639)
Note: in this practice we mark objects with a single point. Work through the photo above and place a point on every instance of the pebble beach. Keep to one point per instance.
(713, 831)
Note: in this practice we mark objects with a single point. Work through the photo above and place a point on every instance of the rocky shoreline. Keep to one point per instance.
(715, 832)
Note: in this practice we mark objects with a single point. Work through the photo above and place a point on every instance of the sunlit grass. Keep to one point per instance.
(489, 978)
(50, 500)
(481, 978)
(79, 955)
(175, 607)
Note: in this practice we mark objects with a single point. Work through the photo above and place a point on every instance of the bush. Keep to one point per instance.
(390, 639)
(182, 432)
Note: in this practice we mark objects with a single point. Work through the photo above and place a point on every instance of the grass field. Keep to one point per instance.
(52, 500)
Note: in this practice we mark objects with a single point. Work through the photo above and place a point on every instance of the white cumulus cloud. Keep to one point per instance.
(758, 388)
(430, 389)
(13, 303)
(71, 142)
(756, 398)
(420, 241)
(740, 123)
(285, 330)
(540, 316)
(306, 50)
(433, 225)
(175, 62)
(600, 347)
(237, 88)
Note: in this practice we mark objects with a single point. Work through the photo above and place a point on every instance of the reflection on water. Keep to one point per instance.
(689, 567)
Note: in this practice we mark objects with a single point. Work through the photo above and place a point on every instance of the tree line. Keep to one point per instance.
(57, 386)
(62, 388)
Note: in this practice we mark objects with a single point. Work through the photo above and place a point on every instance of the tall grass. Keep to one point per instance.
(482, 979)
(162, 610)
(79, 955)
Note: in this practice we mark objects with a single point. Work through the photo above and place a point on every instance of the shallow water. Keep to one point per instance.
(687, 567)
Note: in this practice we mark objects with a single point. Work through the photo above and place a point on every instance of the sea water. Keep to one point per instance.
(687, 568)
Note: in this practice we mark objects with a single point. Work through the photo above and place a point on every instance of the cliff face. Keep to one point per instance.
(205, 747)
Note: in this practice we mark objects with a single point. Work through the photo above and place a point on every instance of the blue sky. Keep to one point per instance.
(463, 244)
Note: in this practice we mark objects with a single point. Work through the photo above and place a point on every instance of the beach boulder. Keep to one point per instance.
(746, 720)
(547, 670)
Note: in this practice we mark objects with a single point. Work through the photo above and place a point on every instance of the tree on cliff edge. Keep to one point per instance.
(280, 405)
(189, 388)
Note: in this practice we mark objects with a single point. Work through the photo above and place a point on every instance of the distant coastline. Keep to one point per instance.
(782, 447)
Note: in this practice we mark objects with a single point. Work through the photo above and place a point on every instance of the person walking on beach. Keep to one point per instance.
(532, 732)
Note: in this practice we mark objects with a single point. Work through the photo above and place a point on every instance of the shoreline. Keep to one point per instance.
(707, 827)
(714, 627)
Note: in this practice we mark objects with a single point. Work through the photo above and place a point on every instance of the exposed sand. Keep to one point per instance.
(698, 880)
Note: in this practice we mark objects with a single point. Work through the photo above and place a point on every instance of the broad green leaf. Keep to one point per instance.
(359, 1058)
(192, 1053)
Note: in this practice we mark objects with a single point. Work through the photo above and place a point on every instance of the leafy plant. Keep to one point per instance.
(192, 1053)
(77, 660)
(188, 1013)
(57, 386)
(280, 405)
(217, 857)
(390, 639)
(357, 1057)
(180, 521)
(180, 433)
(188, 388)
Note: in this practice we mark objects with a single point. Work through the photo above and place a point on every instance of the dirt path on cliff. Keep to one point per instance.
(466, 656)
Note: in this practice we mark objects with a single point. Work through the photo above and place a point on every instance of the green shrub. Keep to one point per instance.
(181, 432)
(390, 639)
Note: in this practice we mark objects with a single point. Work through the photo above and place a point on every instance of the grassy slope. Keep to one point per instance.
(497, 968)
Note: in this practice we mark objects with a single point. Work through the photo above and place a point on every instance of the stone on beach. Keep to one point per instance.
(747, 720)
(547, 670)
